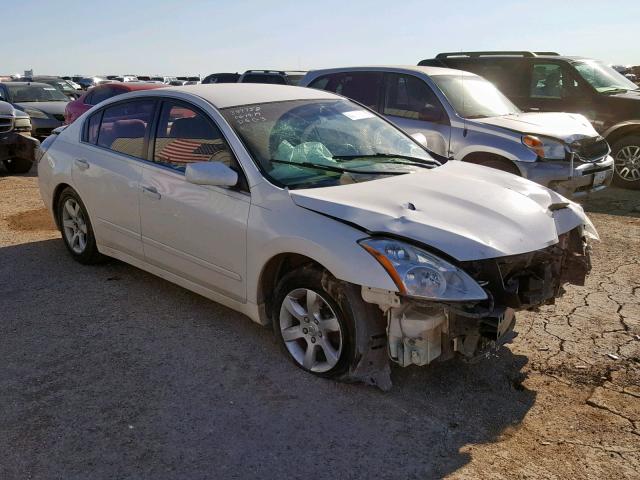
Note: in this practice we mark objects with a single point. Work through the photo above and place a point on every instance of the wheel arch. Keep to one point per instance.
(56, 196)
(480, 157)
(618, 132)
(272, 271)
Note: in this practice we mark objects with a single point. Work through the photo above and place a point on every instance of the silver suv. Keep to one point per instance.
(462, 116)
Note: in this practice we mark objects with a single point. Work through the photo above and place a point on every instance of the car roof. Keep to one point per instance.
(429, 71)
(18, 84)
(223, 95)
(132, 86)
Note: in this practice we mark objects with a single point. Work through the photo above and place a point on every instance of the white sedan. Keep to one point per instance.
(307, 211)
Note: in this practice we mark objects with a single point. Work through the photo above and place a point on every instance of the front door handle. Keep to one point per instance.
(151, 192)
(81, 163)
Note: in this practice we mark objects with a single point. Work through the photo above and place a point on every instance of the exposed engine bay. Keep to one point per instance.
(420, 332)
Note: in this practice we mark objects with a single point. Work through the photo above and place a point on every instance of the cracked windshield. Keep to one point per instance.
(305, 144)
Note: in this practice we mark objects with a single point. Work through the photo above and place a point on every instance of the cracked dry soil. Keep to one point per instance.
(132, 377)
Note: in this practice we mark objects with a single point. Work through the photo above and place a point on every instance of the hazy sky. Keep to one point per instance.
(200, 37)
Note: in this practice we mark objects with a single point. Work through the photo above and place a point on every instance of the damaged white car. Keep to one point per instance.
(303, 210)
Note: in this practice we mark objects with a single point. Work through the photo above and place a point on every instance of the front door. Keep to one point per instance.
(196, 232)
(411, 104)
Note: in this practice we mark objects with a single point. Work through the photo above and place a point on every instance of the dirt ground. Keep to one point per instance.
(108, 372)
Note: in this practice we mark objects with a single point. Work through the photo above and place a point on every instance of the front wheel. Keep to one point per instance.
(626, 156)
(314, 327)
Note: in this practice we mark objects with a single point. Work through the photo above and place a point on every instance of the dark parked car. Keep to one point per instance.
(42, 102)
(221, 78)
(549, 82)
(60, 83)
(17, 148)
(278, 77)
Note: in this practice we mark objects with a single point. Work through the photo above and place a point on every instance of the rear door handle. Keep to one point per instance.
(151, 192)
(81, 163)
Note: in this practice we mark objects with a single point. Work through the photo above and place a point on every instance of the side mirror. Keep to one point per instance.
(211, 173)
(420, 138)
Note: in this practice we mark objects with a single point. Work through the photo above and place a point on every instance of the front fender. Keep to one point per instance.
(632, 124)
(326, 241)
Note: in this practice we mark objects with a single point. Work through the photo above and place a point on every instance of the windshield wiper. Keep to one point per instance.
(331, 168)
(418, 162)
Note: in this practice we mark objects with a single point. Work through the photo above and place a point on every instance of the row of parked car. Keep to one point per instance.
(539, 115)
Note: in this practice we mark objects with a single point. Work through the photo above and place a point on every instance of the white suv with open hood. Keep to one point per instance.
(302, 209)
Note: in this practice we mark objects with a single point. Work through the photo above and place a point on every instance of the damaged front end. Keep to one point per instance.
(421, 331)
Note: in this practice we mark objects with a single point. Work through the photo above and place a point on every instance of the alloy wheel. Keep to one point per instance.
(627, 163)
(311, 330)
(74, 226)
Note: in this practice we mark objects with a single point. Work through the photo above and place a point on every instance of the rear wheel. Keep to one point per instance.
(18, 165)
(77, 232)
(626, 156)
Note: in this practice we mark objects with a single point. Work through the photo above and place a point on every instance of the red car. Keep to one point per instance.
(97, 94)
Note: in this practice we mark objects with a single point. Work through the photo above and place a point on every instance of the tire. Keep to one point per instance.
(329, 333)
(626, 155)
(77, 232)
(18, 165)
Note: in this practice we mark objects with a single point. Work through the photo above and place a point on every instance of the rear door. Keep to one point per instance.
(196, 232)
(107, 168)
(413, 106)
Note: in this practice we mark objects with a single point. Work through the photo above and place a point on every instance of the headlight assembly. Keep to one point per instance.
(35, 113)
(418, 273)
(546, 148)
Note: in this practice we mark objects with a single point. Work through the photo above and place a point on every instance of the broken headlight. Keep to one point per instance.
(546, 148)
(418, 273)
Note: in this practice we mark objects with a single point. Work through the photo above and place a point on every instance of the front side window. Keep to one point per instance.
(125, 125)
(407, 96)
(603, 78)
(316, 143)
(474, 97)
(186, 136)
(363, 87)
(547, 81)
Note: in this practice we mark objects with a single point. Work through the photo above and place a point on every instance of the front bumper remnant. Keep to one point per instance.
(420, 332)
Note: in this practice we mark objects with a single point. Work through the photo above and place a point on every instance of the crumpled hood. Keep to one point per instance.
(564, 126)
(468, 211)
(52, 108)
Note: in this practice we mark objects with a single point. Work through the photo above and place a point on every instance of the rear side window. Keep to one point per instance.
(100, 94)
(262, 78)
(363, 87)
(407, 96)
(92, 128)
(124, 127)
(185, 136)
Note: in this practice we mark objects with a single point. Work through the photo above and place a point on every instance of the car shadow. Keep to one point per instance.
(111, 372)
(614, 201)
